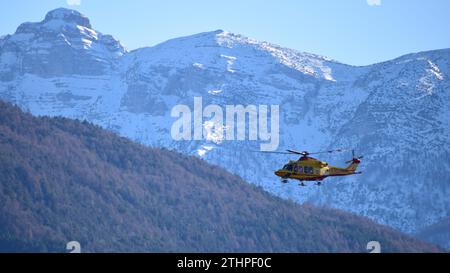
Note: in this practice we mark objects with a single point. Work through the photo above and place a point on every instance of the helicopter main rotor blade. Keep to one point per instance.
(330, 151)
(305, 153)
(297, 152)
(281, 153)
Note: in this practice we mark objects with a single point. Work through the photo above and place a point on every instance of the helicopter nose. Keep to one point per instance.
(278, 173)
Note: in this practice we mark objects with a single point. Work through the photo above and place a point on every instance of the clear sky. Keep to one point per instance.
(356, 32)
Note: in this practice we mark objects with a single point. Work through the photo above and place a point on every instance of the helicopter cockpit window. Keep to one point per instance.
(288, 167)
(295, 168)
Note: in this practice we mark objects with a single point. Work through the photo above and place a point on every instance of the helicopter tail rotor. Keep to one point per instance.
(354, 158)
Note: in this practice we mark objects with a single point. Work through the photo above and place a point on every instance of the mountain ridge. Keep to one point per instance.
(63, 13)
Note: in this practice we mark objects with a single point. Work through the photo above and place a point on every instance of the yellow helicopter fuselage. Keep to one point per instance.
(311, 169)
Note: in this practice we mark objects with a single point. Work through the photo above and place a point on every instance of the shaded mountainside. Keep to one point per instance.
(64, 180)
(438, 233)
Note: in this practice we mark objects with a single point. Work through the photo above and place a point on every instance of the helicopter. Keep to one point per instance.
(307, 168)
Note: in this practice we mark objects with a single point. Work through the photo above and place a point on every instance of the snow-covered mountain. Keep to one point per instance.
(396, 113)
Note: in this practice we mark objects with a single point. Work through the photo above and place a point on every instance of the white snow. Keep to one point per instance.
(215, 91)
(230, 62)
(435, 70)
(198, 65)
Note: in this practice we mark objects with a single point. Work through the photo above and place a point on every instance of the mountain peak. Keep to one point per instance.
(218, 31)
(44, 44)
(69, 16)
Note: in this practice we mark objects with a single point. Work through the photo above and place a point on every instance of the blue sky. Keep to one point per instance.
(356, 32)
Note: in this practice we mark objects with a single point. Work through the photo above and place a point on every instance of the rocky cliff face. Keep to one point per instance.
(64, 43)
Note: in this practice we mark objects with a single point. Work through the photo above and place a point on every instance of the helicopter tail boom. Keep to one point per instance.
(353, 165)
